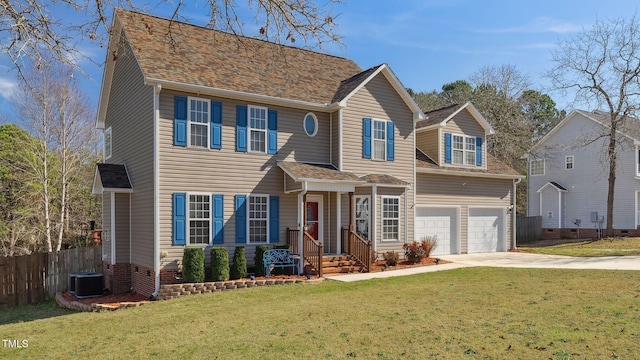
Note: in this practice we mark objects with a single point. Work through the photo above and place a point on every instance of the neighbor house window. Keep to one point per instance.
(107, 143)
(257, 129)
(390, 218)
(311, 124)
(198, 122)
(464, 150)
(537, 167)
(379, 140)
(362, 216)
(568, 162)
(258, 216)
(199, 219)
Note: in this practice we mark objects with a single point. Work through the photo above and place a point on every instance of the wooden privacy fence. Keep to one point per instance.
(528, 228)
(31, 279)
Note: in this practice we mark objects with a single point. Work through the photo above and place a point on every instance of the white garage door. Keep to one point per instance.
(486, 230)
(439, 222)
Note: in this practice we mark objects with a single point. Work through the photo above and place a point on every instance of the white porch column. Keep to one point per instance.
(339, 222)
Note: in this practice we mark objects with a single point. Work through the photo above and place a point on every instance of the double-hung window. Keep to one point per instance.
(107, 143)
(199, 219)
(258, 216)
(379, 140)
(257, 129)
(198, 122)
(464, 150)
(568, 162)
(390, 219)
(536, 167)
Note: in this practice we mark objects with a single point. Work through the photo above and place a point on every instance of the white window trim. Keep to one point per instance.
(249, 219)
(188, 240)
(382, 218)
(304, 124)
(355, 217)
(531, 167)
(637, 161)
(250, 129)
(464, 149)
(108, 134)
(373, 139)
(567, 162)
(208, 123)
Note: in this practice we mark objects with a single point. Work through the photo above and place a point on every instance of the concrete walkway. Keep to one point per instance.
(506, 259)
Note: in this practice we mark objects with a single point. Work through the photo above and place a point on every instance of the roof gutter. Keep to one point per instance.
(468, 173)
(272, 100)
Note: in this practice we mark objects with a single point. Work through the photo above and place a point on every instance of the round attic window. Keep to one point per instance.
(311, 124)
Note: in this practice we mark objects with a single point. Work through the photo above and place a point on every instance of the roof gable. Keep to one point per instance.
(440, 117)
(554, 185)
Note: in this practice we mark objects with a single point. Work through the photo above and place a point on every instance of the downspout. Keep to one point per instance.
(156, 187)
(513, 215)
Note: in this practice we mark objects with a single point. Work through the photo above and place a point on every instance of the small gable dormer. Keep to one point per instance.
(454, 136)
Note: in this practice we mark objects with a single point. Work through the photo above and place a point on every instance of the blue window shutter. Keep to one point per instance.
(179, 218)
(217, 216)
(241, 219)
(241, 128)
(272, 132)
(180, 121)
(391, 143)
(216, 125)
(366, 138)
(447, 148)
(274, 219)
(478, 151)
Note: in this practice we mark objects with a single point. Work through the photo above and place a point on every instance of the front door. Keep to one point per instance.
(314, 220)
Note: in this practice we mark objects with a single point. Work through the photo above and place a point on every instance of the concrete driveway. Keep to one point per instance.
(506, 259)
(526, 260)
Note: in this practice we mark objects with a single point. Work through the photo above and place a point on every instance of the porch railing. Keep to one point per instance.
(292, 240)
(313, 252)
(360, 249)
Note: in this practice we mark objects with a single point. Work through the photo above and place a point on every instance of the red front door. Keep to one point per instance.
(312, 219)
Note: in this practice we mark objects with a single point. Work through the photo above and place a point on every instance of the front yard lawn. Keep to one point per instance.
(471, 313)
(602, 247)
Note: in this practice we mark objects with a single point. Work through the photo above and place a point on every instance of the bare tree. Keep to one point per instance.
(30, 29)
(602, 66)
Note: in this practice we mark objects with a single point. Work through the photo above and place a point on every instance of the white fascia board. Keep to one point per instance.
(264, 99)
(468, 173)
(107, 74)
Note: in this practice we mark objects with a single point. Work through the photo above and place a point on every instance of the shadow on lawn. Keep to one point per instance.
(32, 312)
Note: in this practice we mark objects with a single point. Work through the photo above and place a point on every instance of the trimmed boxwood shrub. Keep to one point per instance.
(260, 249)
(239, 266)
(219, 264)
(193, 265)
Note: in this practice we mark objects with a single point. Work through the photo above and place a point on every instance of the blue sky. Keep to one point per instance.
(427, 43)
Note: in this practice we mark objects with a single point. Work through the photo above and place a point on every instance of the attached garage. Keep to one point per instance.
(440, 222)
(486, 230)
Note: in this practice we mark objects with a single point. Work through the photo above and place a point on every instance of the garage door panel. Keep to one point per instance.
(439, 222)
(486, 228)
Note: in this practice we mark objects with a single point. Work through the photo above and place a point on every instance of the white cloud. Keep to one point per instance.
(538, 25)
(7, 88)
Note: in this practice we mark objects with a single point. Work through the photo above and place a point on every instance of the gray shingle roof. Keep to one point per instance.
(114, 176)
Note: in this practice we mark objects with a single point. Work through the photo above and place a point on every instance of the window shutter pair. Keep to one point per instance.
(180, 227)
(367, 136)
(448, 149)
(241, 219)
(242, 132)
(180, 123)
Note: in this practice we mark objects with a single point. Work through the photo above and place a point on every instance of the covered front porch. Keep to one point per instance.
(326, 237)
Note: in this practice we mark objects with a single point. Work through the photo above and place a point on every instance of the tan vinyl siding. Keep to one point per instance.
(130, 115)
(228, 172)
(335, 139)
(122, 232)
(379, 100)
(441, 190)
(463, 124)
(427, 141)
(106, 227)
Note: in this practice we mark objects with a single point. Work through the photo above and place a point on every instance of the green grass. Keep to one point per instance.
(604, 247)
(472, 313)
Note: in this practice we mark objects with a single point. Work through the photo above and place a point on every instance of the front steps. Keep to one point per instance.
(336, 264)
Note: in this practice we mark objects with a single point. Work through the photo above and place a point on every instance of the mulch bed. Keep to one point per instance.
(110, 299)
(402, 264)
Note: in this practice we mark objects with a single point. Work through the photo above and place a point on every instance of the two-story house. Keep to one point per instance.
(217, 140)
(568, 177)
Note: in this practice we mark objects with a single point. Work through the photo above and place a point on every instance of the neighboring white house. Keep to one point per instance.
(568, 177)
